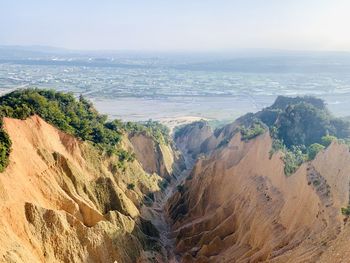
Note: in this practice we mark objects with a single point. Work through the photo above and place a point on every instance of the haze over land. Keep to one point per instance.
(189, 131)
(139, 86)
(210, 59)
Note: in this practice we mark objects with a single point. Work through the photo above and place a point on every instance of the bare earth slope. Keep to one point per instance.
(189, 138)
(61, 201)
(238, 206)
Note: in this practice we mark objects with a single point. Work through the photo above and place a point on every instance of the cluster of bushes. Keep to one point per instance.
(5, 147)
(301, 127)
(302, 121)
(180, 188)
(131, 186)
(255, 129)
(293, 158)
(74, 116)
(345, 211)
(298, 154)
(223, 143)
(304, 124)
(154, 129)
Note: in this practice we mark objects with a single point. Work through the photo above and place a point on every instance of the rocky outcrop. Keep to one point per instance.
(237, 205)
(64, 201)
(159, 158)
(190, 137)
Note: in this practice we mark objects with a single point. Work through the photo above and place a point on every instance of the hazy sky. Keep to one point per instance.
(177, 24)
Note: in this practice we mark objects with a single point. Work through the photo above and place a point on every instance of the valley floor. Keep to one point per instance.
(157, 213)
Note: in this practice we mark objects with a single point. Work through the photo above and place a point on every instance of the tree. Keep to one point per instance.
(313, 150)
(328, 139)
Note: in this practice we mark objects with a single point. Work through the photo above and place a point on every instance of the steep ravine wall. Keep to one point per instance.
(189, 138)
(156, 158)
(62, 201)
(237, 205)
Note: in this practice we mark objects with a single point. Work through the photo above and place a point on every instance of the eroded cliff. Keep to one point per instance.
(63, 201)
(123, 193)
(238, 205)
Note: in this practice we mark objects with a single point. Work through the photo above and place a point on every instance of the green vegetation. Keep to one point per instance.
(180, 188)
(293, 158)
(163, 184)
(158, 131)
(76, 117)
(223, 143)
(327, 140)
(345, 211)
(255, 129)
(131, 186)
(300, 127)
(313, 150)
(297, 155)
(304, 124)
(316, 182)
(303, 121)
(125, 156)
(5, 147)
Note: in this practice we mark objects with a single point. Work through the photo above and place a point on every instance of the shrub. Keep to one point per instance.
(345, 211)
(316, 183)
(76, 117)
(327, 140)
(5, 148)
(163, 184)
(151, 196)
(125, 156)
(253, 131)
(154, 129)
(313, 150)
(293, 159)
(180, 188)
(224, 142)
(277, 145)
(302, 122)
(131, 186)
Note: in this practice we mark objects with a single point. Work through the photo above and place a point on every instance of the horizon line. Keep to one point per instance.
(41, 48)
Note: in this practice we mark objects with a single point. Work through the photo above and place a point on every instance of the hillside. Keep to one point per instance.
(239, 204)
(273, 186)
(70, 199)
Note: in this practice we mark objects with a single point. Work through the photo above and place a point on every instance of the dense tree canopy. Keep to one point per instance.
(303, 121)
(301, 127)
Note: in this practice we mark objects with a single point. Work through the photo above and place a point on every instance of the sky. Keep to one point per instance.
(177, 25)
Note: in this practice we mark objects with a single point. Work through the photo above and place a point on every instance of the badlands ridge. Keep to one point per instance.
(62, 201)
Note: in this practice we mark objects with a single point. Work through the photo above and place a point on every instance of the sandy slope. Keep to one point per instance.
(61, 201)
(238, 206)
